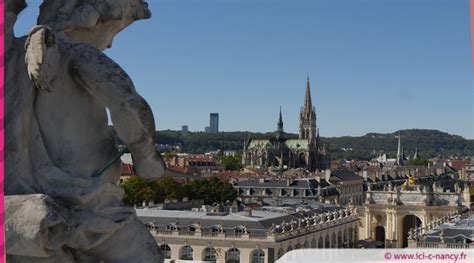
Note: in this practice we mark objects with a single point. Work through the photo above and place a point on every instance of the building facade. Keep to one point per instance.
(184, 130)
(341, 187)
(259, 236)
(280, 152)
(303, 188)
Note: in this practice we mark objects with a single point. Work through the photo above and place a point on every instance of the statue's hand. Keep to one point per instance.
(151, 167)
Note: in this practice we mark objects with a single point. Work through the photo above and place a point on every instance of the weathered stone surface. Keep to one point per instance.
(58, 86)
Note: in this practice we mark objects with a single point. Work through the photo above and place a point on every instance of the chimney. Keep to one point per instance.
(364, 174)
(248, 212)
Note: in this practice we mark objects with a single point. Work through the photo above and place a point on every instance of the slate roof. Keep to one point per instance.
(454, 232)
(303, 183)
(344, 175)
(258, 223)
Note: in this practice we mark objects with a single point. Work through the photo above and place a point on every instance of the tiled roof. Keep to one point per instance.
(127, 169)
(179, 169)
(458, 164)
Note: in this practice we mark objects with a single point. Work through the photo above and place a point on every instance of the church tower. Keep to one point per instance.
(280, 134)
(308, 117)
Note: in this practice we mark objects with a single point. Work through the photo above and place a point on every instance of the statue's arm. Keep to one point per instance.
(131, 115)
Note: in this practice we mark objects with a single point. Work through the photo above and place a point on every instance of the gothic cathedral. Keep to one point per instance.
(279, 152)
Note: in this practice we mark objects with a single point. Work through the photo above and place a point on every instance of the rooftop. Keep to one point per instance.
(257, 223)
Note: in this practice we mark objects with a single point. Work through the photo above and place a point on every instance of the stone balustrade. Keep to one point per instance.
(443, 245)
(274, 233)
(416, 236)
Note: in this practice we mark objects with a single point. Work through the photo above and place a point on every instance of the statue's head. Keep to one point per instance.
(94, 22)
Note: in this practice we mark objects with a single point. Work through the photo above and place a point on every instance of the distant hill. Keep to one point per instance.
(430, 143)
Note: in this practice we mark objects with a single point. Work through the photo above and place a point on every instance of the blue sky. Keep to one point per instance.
(374, 65)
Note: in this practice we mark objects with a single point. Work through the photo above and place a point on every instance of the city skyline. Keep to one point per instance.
(374, 66)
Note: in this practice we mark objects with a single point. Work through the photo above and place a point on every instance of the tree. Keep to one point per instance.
(131, 187)
(232, 163)
(211, 190)
(146, 194)
(170, 188)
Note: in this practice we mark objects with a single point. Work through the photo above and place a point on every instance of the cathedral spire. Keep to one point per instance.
(280, 134)
(399, 151)
(308, 116)
(280, 123)
(308, 105)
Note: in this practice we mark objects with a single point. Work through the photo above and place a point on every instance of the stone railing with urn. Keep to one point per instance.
(417, 237)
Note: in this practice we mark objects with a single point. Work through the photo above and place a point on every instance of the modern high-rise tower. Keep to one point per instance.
(214, 123)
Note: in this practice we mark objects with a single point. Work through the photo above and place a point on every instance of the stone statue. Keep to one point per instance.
(63, 201)
(411, 234)
(221, 227)
(271, 229)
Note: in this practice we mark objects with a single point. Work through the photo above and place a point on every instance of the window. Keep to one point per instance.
(209, 254)
(239, 230)
(339, 240)
(257, 256)
(191, 229)
(186, 253)
(166, 251)
(214, 230)
(233, 255)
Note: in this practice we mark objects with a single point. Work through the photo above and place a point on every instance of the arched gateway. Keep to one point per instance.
(389, 213)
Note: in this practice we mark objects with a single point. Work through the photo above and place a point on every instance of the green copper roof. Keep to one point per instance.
(293, 144)
(259, 143)
(297, 144)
